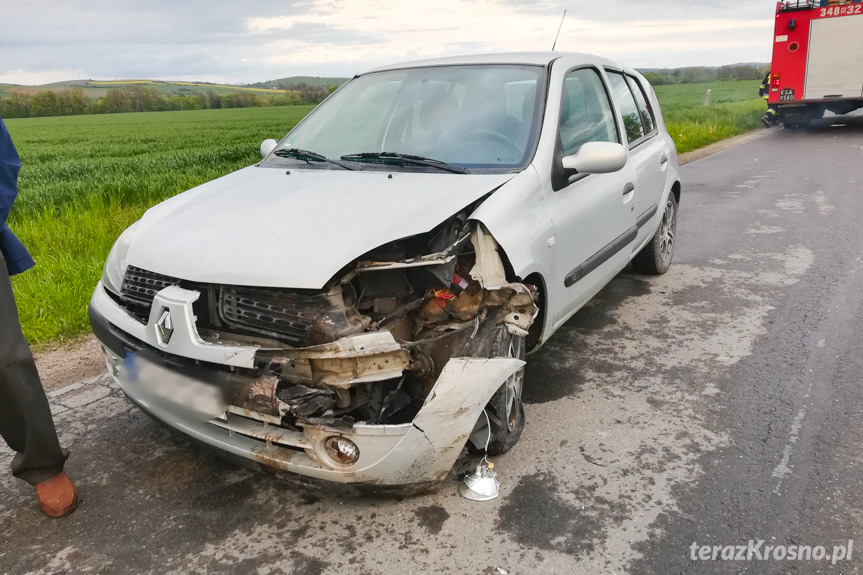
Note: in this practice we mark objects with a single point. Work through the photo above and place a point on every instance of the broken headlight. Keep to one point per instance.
(115, 264)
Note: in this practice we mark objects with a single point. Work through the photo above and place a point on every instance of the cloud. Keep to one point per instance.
(256, 39)
(39, 77)
(358, 31)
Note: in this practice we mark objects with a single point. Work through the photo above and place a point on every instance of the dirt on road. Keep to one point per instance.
(71, 362)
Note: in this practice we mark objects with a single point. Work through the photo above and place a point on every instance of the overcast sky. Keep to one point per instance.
(255, 40)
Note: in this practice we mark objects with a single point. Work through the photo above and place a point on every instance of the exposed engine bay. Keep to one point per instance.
(370, 346)
(410, 306)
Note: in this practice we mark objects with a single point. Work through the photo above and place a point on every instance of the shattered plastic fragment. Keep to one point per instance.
(459, 281)
(305, 401)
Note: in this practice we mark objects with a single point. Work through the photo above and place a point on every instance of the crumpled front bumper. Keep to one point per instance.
(421, 451)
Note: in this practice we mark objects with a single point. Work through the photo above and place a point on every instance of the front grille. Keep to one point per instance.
(288, 316)
(141, 286)
(297, 319)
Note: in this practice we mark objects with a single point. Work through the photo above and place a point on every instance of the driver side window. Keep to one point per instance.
(585, 113)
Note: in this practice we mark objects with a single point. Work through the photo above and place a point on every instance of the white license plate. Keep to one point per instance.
(165, 388)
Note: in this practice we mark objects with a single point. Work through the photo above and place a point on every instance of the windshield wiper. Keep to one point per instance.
(308, 157)
(402, 159)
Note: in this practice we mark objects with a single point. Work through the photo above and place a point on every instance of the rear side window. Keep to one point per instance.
(585, 111)
(628, 109)
(644, 110)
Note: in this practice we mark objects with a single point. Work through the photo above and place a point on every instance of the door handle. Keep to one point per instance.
(663, 159)
(628, 188)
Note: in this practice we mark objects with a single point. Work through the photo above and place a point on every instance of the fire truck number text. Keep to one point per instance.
(842, 10)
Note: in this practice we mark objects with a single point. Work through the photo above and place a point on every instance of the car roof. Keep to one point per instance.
(518, 58)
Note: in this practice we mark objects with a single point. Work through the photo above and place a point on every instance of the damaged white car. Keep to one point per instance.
(357, 306)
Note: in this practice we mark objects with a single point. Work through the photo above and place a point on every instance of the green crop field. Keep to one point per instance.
(734, 108)
(85, 178)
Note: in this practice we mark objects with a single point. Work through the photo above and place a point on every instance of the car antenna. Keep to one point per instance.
(558, 31)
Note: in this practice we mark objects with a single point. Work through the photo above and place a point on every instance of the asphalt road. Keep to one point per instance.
(714, 406)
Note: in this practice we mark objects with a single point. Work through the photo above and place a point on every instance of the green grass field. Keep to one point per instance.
(86, 178)
(735, 108)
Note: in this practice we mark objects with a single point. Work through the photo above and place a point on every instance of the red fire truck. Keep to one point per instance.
(817, 59)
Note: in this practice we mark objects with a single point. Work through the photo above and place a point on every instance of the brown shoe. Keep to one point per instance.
(57, 496)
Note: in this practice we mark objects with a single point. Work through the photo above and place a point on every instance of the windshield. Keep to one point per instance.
(476, 117)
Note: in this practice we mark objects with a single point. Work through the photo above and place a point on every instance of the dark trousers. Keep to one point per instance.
(25, 417)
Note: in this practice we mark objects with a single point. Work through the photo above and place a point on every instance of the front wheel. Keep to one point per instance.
(655, 258)
(505, 409)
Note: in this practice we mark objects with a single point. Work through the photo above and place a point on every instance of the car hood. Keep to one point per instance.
(268, 227)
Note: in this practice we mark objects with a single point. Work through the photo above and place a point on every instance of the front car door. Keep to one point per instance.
(593, 214)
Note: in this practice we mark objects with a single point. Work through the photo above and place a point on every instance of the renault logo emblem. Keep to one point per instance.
(165, 327)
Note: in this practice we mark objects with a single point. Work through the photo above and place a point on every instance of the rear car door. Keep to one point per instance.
(593, 214)
(648, 152)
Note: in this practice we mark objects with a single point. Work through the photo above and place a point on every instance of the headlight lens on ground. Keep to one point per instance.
(342, 450)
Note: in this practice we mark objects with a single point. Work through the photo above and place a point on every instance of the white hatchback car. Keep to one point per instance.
(356, 307)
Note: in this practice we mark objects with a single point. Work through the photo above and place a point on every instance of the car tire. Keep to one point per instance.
(505, 409)
(655, 258)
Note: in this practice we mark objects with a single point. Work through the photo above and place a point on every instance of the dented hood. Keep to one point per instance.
(262, 226)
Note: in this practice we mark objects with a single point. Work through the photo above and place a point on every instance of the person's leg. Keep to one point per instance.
(25, 417)
(769, 118)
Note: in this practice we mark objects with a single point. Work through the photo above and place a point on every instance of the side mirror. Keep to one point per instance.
(268, 146)
(596, 158)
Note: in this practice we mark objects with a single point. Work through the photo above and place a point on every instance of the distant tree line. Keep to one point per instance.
(73, 101)
(307, 92)
(698, 74)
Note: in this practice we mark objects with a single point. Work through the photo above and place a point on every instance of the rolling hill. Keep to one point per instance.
(98, 88)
